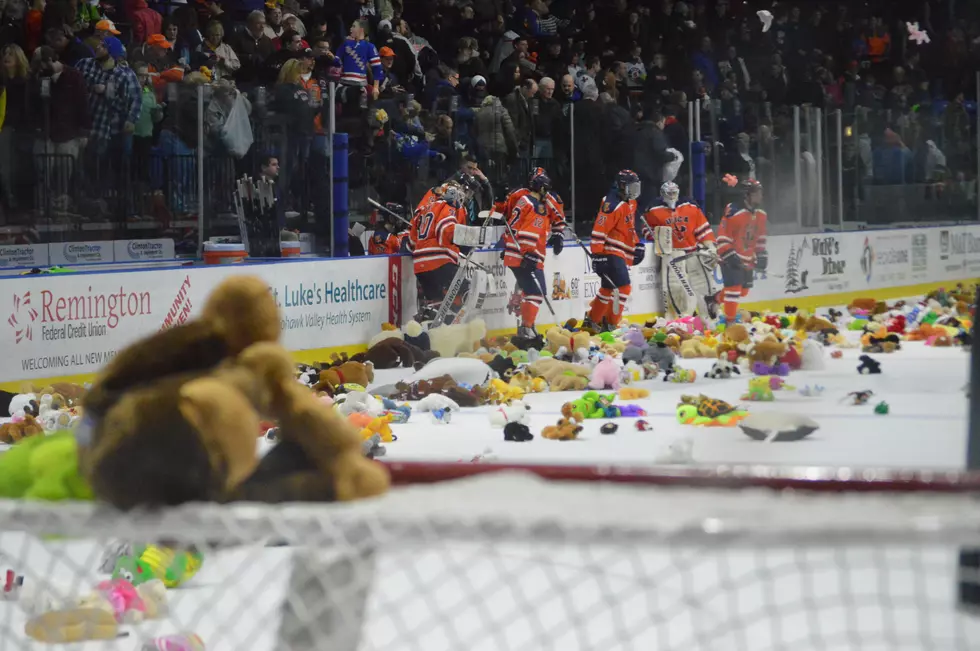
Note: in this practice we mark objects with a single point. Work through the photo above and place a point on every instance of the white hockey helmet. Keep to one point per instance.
(454, 196)
(669, 192)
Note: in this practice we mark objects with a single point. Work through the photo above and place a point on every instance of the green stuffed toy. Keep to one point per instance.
(43, 468)
(149, 562)
(592, 404)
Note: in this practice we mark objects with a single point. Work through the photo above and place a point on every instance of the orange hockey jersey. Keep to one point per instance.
(431, 238)
(383, 243)
(532, 225)
(614, 231)
(688, 224)
(742, 233)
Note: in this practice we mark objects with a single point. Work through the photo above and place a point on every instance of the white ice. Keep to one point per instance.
(673, 595)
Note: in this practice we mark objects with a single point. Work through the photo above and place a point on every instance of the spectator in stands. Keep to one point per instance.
(189, 41)
(115, 100)
(548, 114)
(253, 48)
(105, 31)
(293, 47)
(650, 155)
(468, 60)
(63, 120)
(273, 24)
(405, 66)
(144, 20)
(67, 47)
(518, 105)
(362, 72)
(569, 92)
(390, 85)
(589, 151)
(617, 135)
(298, 97)
(151, 113)
(224, 62)
(15, 126)
(495, 136)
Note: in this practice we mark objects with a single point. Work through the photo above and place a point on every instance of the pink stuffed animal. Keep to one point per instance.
(127, 604)
(605, 375)
(688, 324)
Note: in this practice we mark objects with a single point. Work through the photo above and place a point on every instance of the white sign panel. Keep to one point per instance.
(68, 253)
(141, 250)
(23, 255)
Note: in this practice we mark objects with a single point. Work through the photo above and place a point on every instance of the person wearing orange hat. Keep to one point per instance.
(158, 55)
(105, 31)
(390, 84)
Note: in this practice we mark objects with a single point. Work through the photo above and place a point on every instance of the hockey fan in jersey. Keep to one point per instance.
(615, 248)
(742, 247)
(536, 218)
(690, 232)
(435, 257)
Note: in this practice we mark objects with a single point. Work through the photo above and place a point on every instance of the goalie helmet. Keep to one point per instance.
(539, 181)
(669, 192)
(628, 185)
(453, 195)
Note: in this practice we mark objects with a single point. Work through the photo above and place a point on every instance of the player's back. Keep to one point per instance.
(614, 231)
(432, 237)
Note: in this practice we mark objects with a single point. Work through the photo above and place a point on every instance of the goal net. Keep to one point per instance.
(458, 558)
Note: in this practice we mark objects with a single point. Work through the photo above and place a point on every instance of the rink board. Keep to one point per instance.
(67, 326)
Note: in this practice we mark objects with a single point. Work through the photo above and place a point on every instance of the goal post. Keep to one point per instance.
(483, 557)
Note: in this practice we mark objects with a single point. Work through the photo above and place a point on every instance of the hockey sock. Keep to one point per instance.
(732, 295)
(616, 315)
(601, 305)
(529, 310)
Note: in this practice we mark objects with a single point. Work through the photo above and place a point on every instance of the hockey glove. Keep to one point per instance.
(599, 263)
(529, 263)
(762, 261)
(639, 253)
(557, 242)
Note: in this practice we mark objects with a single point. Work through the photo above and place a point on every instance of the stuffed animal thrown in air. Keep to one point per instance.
(173, 417)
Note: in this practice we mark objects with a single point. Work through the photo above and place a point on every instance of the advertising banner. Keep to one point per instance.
(23, 255)
(143, 250)
(69, 324)
(68, 253)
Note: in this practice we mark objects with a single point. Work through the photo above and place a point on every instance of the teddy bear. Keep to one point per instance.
(561, 376)
(695, 347)
(862, 305)
(558, 341)
(768, 351)
(20, 428)
(568, 426)
(450, 340)
(339, 377)
(172, 417)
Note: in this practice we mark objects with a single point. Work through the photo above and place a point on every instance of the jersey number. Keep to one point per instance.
(539, 222)
(425, 224)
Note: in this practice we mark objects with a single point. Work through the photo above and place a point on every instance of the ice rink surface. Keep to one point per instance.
(671, 594)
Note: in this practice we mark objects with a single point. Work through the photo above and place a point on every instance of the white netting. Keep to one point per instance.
(512, 562)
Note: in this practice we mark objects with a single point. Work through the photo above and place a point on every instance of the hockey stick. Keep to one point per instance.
(541, 289)
(390, 212)
(603, 276)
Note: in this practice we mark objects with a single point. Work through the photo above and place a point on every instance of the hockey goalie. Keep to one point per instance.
(688, 255)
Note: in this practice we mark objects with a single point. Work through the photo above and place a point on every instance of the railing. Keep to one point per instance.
(821, 168)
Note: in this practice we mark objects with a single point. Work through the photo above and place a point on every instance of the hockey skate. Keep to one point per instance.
(590, 326)
(527, 338)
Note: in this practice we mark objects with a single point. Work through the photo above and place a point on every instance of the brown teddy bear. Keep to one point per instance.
(768, 351)
(865, 304)
(172, 418)
(394, 353)
(568, 426)
(557, 338)
(333, 378)
(20, 429)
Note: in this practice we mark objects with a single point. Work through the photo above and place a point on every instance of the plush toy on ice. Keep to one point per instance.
(172, 418)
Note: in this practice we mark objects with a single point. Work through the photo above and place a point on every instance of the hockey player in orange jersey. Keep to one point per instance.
(615, 248)
(535, 221)
(386, 240)
(435, 257)
(690, 233)
(742, 247)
